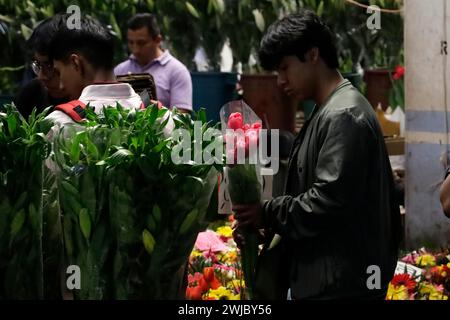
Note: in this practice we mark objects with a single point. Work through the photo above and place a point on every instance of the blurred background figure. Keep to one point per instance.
(44, 90)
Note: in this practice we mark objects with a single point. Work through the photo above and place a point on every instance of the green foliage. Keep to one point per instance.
(129, 213)
(23, 147)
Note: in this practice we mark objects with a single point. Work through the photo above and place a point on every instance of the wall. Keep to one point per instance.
(427, 23)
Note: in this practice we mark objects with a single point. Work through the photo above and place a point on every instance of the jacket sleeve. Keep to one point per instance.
(339, 180)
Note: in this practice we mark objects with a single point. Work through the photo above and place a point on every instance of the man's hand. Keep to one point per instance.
(248, 215)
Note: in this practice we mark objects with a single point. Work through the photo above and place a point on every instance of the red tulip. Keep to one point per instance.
(203, 284)
(246, 127)
(256, 125)
(215, 284)
(194, 293)
(235, 121)
(208, 273)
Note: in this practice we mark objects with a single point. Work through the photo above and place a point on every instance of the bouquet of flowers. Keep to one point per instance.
(214, 267)
(431, 283)
(241, 128)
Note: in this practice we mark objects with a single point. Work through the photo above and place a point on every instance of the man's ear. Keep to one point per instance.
(313, 55)
(158, 39)
(77, 62)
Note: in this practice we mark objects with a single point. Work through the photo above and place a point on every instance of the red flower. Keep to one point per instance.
(256, 125)
(194, 293)
(197, 280)
(399, 72)
(208, 273)
(404, 279)
(235, 121)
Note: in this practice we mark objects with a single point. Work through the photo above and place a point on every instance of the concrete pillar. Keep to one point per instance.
(427, 25)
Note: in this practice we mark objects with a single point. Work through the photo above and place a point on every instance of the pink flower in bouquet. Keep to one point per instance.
(235, 121)
(410, 258)
(210, 255)
(198, 280)
(241, 139)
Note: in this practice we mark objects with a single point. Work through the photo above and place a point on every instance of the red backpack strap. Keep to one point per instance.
(74, 109)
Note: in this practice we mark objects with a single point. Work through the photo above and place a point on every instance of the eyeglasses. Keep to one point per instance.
(46, 68)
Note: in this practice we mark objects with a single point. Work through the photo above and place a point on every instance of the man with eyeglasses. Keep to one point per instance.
(45, 90)
(172, 78)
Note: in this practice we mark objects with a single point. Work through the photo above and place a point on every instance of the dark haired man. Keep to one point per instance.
(43, 91)
(84, 60)
(172, 79)
(338, 220)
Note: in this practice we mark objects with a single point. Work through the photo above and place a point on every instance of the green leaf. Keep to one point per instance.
(220, 6)
(201, 115)
(6, 19)
(188, 221)
(92, 149)
(21, 201)
(151, 224)
(85, 223)
(148, 240)
(12, 124)
(26, 32)
(320, 9)
(192, 10)
(120, 156)
(115, 26)
(157, 213)
(34, 218)
(68, 187)
(259, 20)
(17, 222)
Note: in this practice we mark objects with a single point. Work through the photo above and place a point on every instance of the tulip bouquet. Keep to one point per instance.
(242, 134)
(23, 148)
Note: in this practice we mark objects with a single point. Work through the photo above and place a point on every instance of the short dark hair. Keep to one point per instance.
(91, 40)
(148, 20)
(296, 34)
(42, 35)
